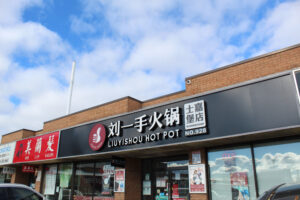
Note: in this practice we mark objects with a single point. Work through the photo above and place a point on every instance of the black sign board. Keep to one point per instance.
(263, 105)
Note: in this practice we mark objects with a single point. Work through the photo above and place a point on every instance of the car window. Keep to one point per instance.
(22, 194)
(288, 197)
(3, 192)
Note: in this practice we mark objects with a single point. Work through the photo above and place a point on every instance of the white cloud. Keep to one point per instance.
(78, 25)
(29, 37)
(277, 30)
(36, 88)
(11, 11)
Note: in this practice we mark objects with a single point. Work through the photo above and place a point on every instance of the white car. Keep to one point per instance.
(10, 191)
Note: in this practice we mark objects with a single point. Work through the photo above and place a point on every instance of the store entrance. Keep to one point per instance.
(165, 179)
(179, 184)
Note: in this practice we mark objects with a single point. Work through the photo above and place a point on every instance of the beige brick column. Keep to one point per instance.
(19, 176)
(38, 182)
(203, 161)
(133, 188)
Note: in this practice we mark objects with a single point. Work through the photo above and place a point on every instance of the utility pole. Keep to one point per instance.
(71, 87)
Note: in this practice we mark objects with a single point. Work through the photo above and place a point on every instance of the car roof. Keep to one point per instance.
(288, 187)
(13, 185)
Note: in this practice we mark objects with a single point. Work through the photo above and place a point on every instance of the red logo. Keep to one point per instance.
(97, 137)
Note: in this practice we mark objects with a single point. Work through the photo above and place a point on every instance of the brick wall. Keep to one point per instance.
(119, 195)
(17, 135)
(166, 98)
(38, 183)
(203, 161)
(133, 173)
(108, 109)
(133, 188)
(20, 177)
(246, 70)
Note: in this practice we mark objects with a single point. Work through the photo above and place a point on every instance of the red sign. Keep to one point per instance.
(42, 147)
(28, 169)
(97, 137)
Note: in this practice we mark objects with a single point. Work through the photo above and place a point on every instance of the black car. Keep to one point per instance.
(282, 192)
(18, 192)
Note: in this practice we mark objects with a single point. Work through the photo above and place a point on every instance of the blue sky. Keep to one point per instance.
(117, 44)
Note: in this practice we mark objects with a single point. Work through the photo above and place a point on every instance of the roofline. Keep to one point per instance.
(23, 129)
(244, 61)
(90, 108)
(163, 96)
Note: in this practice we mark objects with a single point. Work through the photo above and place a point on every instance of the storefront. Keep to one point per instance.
(264, 110)
(231, 143)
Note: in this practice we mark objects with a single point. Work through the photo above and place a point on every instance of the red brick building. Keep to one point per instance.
(222, 137)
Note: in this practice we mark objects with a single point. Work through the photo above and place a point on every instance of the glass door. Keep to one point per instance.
(49, 181)
(64, 181)
(179, 184)
(161, 185)
(165, 179)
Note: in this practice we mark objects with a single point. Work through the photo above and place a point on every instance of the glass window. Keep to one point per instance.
(84, 178)
(277, 163)
(104, 181)
(231, 174)
(49, 181)
(22, 194)
(64, 181)
(5, 177)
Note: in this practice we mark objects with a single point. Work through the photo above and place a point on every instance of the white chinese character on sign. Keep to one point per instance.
(114, 129)
(50, 143)
(28, 148)
(172, 116)
(141, 122)
(154, 120)
(198, 107)
(194, 115)
(38, 146)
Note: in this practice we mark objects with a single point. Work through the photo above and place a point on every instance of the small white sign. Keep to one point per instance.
(8, 170)
(196, 157)
(194, 115)
(39, 175)
(7, 153)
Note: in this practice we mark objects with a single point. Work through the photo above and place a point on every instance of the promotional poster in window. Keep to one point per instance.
(197, 178)
(239, 186)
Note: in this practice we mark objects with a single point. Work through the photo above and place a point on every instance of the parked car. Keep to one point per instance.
(18, 192)
(282, 192)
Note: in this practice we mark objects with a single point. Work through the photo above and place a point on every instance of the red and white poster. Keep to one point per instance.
(119, 180)
(197, 178)
(42, 147)
(28, 169)
(239, 186)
